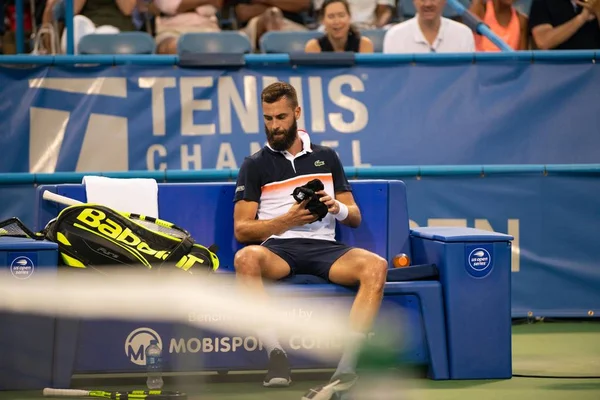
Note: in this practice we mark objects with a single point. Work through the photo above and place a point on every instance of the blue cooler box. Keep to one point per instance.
(474, 267)
(26, 341)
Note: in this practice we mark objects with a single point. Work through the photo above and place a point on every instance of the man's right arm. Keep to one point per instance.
(547, 36)
(247, 229)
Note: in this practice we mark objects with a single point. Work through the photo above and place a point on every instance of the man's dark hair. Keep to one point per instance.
(276, 91)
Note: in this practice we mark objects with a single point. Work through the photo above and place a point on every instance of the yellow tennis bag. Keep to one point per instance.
(90, 235)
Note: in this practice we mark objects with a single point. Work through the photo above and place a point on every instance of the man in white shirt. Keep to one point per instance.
(367, 14)
(429, 32)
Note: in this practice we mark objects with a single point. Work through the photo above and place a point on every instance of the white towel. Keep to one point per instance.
(139, 196)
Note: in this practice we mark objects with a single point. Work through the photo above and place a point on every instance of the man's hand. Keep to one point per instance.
(591, 9)
(298, 215)
(332, 206)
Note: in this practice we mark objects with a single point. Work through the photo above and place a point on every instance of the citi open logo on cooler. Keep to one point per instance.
(137, 342)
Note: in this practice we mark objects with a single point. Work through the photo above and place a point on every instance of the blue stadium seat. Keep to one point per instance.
(119, 43)
(214, 42)
(376, 36)
(286, 42)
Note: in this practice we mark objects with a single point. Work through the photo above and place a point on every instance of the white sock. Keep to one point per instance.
(270, 341)
(349, 358)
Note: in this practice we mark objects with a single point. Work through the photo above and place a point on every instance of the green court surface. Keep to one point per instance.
(564, 357)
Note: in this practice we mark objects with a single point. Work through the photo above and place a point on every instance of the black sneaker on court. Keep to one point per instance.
(278, 374)
(336, 389)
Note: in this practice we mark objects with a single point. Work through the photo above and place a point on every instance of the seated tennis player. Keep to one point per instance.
(292, 239)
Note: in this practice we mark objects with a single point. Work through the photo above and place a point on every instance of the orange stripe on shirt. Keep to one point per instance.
(293, 183)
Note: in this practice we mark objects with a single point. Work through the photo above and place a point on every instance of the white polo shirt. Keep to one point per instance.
(406, 37)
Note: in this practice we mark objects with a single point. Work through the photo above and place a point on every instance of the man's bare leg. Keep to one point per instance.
(369, 270)
(252, 264)
(362, 267)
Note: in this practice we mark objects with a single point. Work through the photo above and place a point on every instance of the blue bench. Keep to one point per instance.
(459, 323)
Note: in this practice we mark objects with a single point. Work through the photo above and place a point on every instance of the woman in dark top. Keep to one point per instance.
(340, 35)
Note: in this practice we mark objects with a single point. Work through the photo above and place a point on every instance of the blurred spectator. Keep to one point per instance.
(504, 20)
(144, 16)
(95, 16)
(2, 24)
(257, 17)
(565, 25)
(8, 25)
(340, 34)
(367, 14)
(429, 32)
(184, 16)
(292, 10)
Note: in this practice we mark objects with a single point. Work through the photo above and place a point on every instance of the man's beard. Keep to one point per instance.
(284, 142)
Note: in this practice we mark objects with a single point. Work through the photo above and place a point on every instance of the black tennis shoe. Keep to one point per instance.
(278, 374)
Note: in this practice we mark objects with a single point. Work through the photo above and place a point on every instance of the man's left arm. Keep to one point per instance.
(342, 207)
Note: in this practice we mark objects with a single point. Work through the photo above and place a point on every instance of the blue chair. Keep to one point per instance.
(226, 42)
(376, 36)
(286, 42)
(119, 43)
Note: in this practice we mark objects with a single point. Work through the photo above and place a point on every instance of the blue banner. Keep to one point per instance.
(555, 269)
(119, 118)
(199, 342)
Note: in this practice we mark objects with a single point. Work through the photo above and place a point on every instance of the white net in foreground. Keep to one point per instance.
(310, 324)
(175, 297)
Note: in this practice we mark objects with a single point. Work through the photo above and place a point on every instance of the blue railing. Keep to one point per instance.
(391, 172)
(589, 56)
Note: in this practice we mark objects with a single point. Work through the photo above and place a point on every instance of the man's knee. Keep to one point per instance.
(374, 271)
(248, 260)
